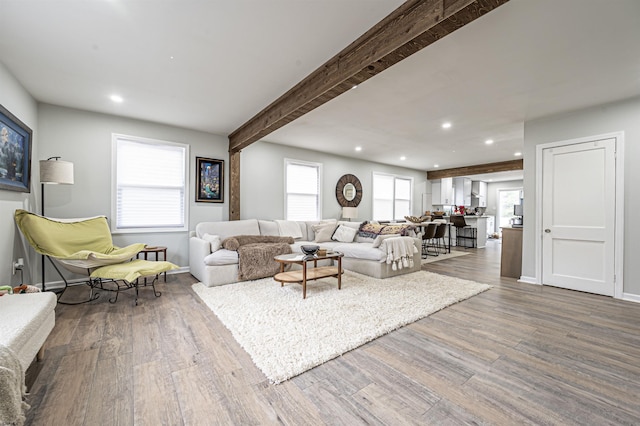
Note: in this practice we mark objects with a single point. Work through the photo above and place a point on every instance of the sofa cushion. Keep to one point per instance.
(289, 228)
(214, 240)
(364, 251)
(305, 231)
(228, 228)
(344, 234)
(268, 227)
(222, 257)
(327, 245)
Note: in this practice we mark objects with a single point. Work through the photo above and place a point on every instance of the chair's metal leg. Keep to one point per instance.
(91, 298)
(155, 292)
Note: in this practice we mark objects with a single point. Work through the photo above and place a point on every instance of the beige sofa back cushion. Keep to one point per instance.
(269, 227)
(228, 228)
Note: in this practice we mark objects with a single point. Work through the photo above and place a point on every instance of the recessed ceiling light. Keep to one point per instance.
(358, 148)
(171, 57)
(446, 125)
(403, 158)
(489, 141)
(116, 98)
(518, 154)
(436, 165)
(355, 86)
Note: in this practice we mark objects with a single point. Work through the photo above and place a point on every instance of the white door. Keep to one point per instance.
(578, 216)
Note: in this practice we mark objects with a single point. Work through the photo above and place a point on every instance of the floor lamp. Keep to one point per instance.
(53, 171)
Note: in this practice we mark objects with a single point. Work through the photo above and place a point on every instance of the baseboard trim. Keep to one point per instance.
(631, 297)
(528, 280)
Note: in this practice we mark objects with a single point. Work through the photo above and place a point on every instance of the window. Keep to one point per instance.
(149, 185)
(391, 197)
(507, 198)
(302, 190)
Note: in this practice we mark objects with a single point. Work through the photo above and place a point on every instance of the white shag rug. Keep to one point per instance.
(286, 335)
(443, 256)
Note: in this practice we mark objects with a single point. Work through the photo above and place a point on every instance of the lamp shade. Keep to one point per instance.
(56, 171)
(350, 212)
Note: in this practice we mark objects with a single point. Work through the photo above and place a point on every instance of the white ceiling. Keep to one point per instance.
(525, 60)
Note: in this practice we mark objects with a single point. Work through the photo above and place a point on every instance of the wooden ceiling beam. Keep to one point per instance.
(413, 26)
(504, 166)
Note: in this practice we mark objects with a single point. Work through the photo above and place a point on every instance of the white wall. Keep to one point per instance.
(262, 180)
(84, 138)
(608, 118)
(17, 101)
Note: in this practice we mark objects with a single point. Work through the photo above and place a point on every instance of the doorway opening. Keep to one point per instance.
(507, 198)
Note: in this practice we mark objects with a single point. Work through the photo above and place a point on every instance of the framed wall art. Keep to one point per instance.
(15, 153)
(210, 178)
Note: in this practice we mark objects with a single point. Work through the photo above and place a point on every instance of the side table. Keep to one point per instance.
(156, 250)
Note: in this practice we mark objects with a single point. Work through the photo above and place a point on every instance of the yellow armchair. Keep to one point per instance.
(85, 246)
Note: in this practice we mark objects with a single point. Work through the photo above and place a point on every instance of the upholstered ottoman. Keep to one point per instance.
(27, 320)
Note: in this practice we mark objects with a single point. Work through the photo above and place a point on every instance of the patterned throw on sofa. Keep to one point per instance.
(372, 230)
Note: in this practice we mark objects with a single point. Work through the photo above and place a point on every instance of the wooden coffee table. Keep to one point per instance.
(308, 274)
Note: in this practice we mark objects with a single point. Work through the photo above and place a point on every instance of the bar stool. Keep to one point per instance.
(428, 235)
(439, 235)
(464, 232)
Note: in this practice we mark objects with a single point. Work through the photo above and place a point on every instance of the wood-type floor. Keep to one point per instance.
(516, 354)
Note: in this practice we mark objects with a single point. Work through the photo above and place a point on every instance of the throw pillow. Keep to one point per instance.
(344, 234)
(214, 240)
(323, 232)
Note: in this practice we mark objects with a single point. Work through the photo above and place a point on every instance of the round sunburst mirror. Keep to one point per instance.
(349, 191)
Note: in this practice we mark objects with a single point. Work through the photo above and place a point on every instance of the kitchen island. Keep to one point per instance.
(479, 222)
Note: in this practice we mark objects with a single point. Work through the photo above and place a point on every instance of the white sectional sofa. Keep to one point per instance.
(361, 255)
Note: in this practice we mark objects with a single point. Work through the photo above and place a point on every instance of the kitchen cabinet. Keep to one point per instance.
(479, 193)
(441, 192)
(478, 201)
(462, 191)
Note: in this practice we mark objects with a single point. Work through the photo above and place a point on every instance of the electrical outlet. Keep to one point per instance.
(17, 265)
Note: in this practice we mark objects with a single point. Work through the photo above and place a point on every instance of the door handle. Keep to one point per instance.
(548, 231)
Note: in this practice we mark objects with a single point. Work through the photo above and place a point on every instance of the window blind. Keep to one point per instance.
(302, 190)
(150, 187)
